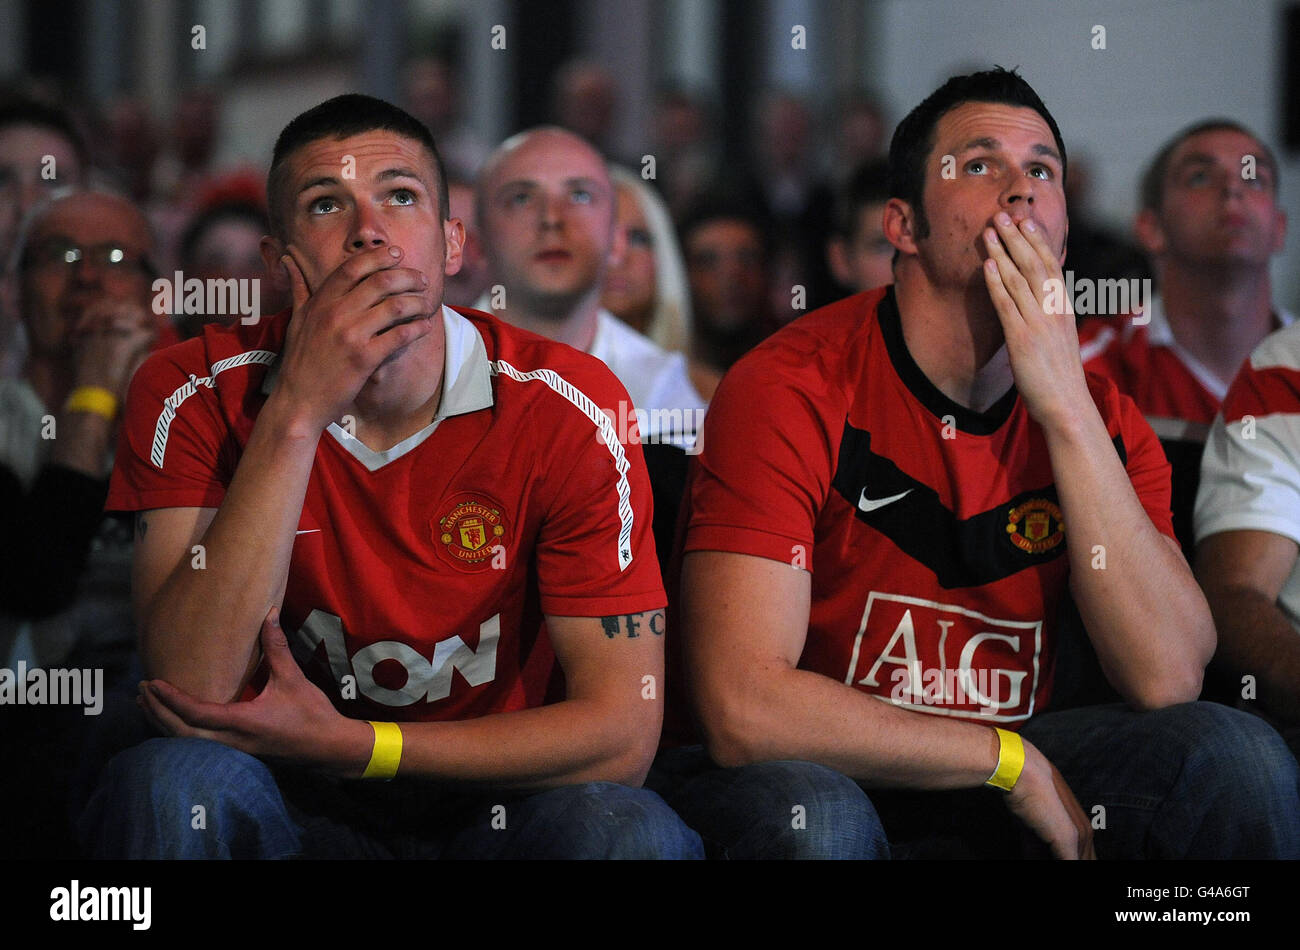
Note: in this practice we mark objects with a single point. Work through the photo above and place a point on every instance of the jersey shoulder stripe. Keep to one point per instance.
(583, 403)
(162, 428)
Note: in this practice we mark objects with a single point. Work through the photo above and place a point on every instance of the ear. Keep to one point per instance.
(900, 225)
(453, 233)
(837, 258)
(272, 249)
(1149, 232)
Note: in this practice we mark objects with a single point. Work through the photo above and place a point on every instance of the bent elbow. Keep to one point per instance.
(1169, 690)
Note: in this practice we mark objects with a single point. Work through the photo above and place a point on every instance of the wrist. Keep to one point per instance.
(1011, 761)
(96, 400)
(290, 422)
(353, 747)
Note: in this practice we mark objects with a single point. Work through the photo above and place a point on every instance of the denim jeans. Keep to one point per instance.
(1197, 780)
(194, 798)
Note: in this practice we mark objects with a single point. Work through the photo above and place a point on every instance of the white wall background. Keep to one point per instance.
(1167, 63)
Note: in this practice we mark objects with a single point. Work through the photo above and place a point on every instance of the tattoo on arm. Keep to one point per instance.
(141, 525)
(633, 625)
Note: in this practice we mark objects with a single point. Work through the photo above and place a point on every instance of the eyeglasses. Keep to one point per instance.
(110, 256)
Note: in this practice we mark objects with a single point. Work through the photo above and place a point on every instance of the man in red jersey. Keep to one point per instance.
(412, 490)
(1212, 225)
(897, 495)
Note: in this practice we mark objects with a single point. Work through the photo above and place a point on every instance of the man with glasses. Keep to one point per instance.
(84, 286)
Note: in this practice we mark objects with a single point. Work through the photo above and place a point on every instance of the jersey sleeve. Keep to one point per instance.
(764, 468)
(1148, 469)
(1250, 472)
(595, 549)
(173, 446)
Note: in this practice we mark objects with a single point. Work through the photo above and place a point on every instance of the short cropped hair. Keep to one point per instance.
(868, 185)
(914, 138)
(1151, 189)
(340, 118)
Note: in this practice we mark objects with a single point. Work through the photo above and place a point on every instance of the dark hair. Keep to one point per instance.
(23, 110)
(869, 184)
(340, 118)
(914, 138)
(208, 218)
(726, 207)
(1151, 189)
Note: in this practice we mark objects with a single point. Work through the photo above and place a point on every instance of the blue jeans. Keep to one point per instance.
(194, 798)
(1198, 780)
(769, 810)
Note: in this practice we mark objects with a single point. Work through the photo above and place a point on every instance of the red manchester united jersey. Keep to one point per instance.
(420, 575)
(934, 534)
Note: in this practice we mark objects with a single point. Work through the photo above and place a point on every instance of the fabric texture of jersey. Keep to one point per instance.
(1176, 392)
(933, 533)
(1250, 474)
(422, 573)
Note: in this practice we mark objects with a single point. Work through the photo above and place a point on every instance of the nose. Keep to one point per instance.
(1019, 197)
(551, 211)
(367, 229)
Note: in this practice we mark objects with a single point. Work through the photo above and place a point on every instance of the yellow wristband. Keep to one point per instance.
(387, 753)
(1011, 761)
(94, 399)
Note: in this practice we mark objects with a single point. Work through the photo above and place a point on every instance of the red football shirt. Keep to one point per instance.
(933, 533)
(420, 575)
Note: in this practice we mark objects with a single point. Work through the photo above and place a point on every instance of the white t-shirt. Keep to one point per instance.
(1250, 472)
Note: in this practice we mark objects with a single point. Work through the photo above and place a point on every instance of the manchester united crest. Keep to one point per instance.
(1036, 526)
(471, 531)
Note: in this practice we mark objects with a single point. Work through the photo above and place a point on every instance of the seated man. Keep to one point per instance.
(896, 495)
(65, 598)
(413, 490)
(1211, 222)
(1248, 529)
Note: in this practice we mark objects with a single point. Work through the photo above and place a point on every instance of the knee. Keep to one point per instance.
(607, 820)
(185, 767)
(1230, 749)
(785, 810)
(185, 797)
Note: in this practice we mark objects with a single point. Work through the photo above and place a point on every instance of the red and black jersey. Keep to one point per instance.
(934, 534)
(420, 575)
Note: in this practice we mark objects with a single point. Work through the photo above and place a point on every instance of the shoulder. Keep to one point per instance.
(655, 378)
(530, 369)
(1268, 382)
(819, 352)
(214, 352)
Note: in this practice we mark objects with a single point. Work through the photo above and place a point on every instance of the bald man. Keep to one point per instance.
(548, 210)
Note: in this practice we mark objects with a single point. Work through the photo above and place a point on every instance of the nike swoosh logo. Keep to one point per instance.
(870, 504)
(308, 531)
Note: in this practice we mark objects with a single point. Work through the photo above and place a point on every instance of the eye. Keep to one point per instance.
(517, 199)
(1041, 171)
(639, 237)
(323, 205)
(581, 196)
(976, 167)
(1199, 177)
(403, 197)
